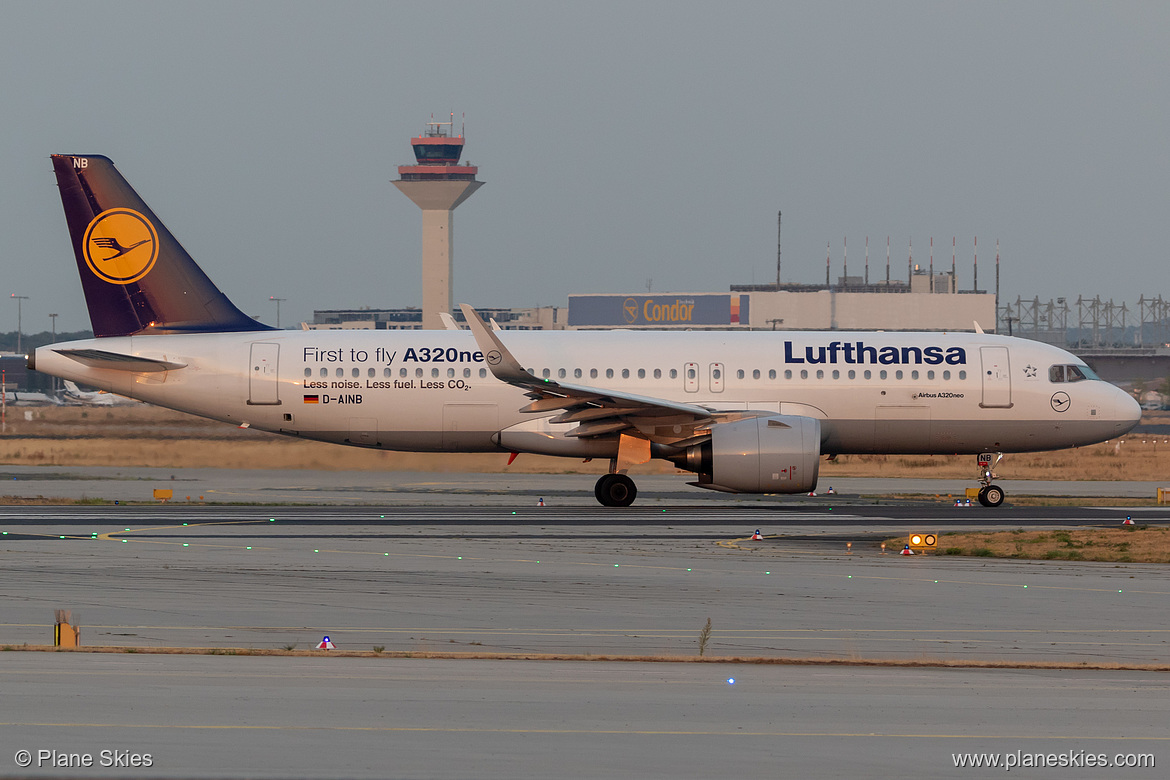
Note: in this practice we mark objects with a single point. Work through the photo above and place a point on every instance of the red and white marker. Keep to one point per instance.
(1127, 521)
(907, 551)
(540, 502)
(757, 535)
(325, 644)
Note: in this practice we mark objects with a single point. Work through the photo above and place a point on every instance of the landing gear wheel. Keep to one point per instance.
(991, 495)
(615, 490)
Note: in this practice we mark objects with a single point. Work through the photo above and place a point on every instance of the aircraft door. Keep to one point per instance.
(716, 377)
(263, 378)
(691, 377)
(997, 378)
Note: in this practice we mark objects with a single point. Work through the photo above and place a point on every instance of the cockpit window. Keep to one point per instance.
(1074, 373)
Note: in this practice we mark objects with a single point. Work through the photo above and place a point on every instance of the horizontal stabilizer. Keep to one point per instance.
(99, 358)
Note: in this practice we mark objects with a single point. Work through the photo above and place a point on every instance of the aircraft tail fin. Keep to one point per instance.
(136, 277)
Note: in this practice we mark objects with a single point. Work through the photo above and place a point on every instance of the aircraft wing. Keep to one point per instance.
(598, 411)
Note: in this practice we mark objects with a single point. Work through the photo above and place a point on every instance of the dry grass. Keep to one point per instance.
(1128, 544)
(955, 663)
(136, 436)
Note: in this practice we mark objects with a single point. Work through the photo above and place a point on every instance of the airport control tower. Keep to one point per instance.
(437, 183)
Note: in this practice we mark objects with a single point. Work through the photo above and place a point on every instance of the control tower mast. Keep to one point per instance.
(437, 183)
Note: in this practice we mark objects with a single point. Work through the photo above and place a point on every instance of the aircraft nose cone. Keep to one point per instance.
(1127, 411)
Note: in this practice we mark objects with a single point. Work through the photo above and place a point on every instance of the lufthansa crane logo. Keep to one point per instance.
(120, 246)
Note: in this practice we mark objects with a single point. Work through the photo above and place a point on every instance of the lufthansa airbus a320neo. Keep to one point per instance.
(747, 412)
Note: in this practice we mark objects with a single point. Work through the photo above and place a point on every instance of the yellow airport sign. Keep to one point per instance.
(923, 541)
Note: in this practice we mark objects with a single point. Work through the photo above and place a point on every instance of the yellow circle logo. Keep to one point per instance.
(120, 246)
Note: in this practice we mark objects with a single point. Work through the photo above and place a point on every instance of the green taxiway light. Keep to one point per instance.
(186, 545)
(249, 548)
(272, 519)
(316, 551)
(125, 540)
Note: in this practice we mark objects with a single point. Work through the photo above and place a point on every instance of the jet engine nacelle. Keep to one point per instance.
(776, 454)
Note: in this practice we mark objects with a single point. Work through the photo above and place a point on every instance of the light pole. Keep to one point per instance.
(18, 299)
(278, 300)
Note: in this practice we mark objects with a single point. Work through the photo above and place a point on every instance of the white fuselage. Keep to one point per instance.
(432, 390)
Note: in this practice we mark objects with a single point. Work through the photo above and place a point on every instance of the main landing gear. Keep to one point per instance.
(615, 490)
(989, 495)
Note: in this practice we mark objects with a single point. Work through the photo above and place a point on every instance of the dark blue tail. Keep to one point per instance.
(136, 276)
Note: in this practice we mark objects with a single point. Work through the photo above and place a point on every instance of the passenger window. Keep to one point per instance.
(434, 373)
(716, 373)
(962, 375)
(370, 372)
(402, 372)
(756, 374)
(883, 374)
(674, 373)
(641, 373)
(562, 373)
(739, 374)
(467, 373)
(820, 374)
(914, 374)
(836, 374)
(868, 374)
(576, 373)
(852, 374)
(386, 372)
(803, 373)
(930, 374)
(593, 373)
(946, 375)
(356, 372)
(1056, 374)
(771, 373)
(450, 373)
(483, 373)
(418, 373)
(625, 373)
(788, 373)
(609, 373)
(898, 374)
(545, 373)
(308, 372)
(324, 372)
(690, 373)
(658, 373)
(340, 372)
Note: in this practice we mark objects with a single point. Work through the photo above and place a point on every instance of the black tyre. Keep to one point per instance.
(983, 496)
(615, 490)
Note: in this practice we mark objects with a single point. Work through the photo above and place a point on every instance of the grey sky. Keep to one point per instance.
(619, 142)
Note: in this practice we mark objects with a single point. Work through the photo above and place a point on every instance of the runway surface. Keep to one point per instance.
(487, 575)
(410, 718)
(504, 490)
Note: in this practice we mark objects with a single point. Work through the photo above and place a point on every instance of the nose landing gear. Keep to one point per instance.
(990, 495)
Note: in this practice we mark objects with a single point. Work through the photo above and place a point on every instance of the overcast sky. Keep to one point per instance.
(619, 142)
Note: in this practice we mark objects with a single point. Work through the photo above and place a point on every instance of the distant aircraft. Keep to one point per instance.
(100, 398)
(747, 412)
(27, 398)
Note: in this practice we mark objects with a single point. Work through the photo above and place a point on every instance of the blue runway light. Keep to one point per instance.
(731, 681)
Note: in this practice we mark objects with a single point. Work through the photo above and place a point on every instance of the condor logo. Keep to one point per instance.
(120, 246)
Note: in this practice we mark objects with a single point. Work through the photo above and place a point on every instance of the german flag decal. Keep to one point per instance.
(312, 399)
